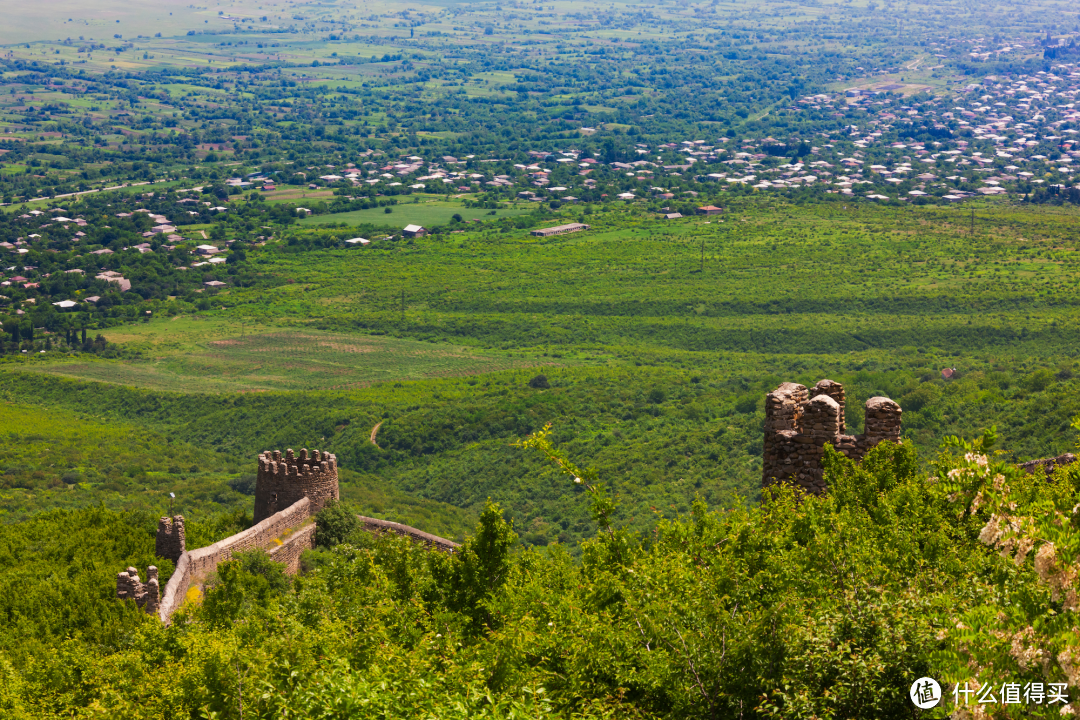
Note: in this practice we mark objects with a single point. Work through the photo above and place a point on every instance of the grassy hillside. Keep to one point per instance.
(658, 355)
(81, 455)
(662, 435)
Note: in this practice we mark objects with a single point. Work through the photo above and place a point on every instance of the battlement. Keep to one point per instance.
(146, 595)
(170, 541)
(800, 422)
(284, 479)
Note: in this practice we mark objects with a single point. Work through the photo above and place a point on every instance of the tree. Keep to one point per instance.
(480, 567)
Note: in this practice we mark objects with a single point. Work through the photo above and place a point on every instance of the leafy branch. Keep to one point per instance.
(603, 504)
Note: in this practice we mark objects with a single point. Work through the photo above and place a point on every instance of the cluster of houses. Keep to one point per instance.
(165, 233)
(1003, 134)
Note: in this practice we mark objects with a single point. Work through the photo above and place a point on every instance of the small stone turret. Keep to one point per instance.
(799, 423)
(147, 596)
(169, 542)
(282, 480)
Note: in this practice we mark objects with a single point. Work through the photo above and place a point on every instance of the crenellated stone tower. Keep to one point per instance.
(282, 480)
(169, 542)
(799, 423)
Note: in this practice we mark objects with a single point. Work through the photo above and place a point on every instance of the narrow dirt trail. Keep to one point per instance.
(374, 432)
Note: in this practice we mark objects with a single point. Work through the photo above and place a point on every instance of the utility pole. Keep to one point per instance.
(403, 307)
(702, 268)
(973, 222)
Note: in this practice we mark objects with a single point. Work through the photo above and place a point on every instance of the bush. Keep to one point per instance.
(334, 523)
(244, 586)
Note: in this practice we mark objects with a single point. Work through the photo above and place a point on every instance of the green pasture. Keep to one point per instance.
(212, 357)
(428, 214)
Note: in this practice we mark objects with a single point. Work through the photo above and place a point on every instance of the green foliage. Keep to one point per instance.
(479, 568)
(815, 607)
(243, 588)
(70, 459)
(334, 524)
(1026, 632)
(58, 579)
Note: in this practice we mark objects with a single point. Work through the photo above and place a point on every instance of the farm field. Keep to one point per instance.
(765, 278)
(282, 360)
(428, 214)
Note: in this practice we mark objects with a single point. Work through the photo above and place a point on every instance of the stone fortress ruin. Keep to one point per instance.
(800, 422)
(289, 490)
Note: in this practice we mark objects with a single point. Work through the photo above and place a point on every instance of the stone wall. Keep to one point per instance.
(376, 526)
(282, 480)
(1047, 466)
(288, 491)
(800, 422)
(289, 552)
(195, 565)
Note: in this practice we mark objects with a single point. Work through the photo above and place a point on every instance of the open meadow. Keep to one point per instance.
(194, 356)
(427, 214)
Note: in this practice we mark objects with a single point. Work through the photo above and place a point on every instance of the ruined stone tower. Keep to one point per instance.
(169, 542)
(798, 424)
(284, 480)
(146, 595)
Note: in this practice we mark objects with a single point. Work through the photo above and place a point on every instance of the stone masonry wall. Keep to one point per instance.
(282, 480)
(800, 422)
(1047, 466)
(376, 526)
(292, 548)
(288, 491)
(196, 564)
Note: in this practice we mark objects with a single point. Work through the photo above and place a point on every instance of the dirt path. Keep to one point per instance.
(374, 432)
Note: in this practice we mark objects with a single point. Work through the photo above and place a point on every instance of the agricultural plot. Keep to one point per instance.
(287, 360)
(429, 214)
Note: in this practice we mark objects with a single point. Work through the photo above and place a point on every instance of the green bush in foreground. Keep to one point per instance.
(815, 607)
(334, 523)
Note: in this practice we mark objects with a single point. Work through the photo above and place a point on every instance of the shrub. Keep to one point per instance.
(334, 524)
